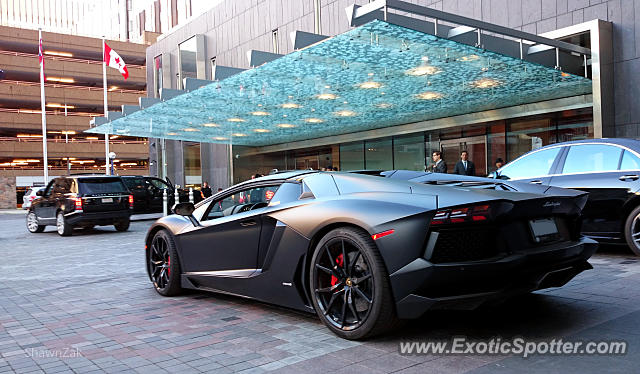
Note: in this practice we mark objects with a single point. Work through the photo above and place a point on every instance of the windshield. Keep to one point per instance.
(101, 185)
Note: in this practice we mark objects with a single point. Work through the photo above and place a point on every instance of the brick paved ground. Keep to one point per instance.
(86, 301)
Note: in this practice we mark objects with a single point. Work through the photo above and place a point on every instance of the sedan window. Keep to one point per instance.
(590, 158)
(533, 165)
(242, 201)
(630, 161)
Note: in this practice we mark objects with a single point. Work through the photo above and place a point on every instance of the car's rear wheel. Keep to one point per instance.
(62, 226)
(32, 223)
(632, 231)
(122, 225)
(350, 286)
(163, 264)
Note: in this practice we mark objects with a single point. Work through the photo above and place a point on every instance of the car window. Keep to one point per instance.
(159, 184)
(533, 165)
(133, 183)
(49, 188)
(630, 161)
(91, 186)
(242, 201)
(62, 185)
(591, 158)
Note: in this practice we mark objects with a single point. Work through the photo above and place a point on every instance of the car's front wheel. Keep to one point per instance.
(32, 223)
(632, 231)
(350, 286)
(163, 264)
(62, 226)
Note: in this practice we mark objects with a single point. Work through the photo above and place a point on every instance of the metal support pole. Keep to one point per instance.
(586, 70)
(176, 195)
(435, 26)
(165, 201)
(521, 50)
(191, 195)
(479, 43)
(44, 113)
(558, 59)
(106, 109)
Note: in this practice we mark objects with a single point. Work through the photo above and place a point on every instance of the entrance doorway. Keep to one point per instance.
(476, 146)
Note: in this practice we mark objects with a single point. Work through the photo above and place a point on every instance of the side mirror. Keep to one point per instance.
(40, 193)
(184, 209)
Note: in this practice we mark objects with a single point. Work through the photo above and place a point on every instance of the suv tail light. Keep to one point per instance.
(130, 201)
(78, 203)
(475, 213)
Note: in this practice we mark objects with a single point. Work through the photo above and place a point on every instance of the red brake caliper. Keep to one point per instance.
(169, 265)
(339, 261)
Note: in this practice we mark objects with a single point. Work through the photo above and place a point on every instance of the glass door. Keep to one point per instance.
(476, 146)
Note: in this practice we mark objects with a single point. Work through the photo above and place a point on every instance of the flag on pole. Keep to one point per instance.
(41, 55)
(113, 60)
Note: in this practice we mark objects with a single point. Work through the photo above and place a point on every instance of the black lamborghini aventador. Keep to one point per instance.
(363, 251)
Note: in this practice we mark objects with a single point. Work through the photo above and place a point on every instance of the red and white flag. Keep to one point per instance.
(112, 59)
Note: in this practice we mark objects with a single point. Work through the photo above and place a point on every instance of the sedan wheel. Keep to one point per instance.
(32, 223)
(350, 286)
(64, 228)
(163, 264)
(632, 231)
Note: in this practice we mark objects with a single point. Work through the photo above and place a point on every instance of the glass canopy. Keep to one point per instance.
(374, 76)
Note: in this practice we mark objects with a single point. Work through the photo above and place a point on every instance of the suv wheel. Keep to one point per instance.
(122, 225)
(632, 231)
(32, 223)
(64, 229)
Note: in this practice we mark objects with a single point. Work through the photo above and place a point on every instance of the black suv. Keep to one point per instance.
(81, 201)
(147, 193)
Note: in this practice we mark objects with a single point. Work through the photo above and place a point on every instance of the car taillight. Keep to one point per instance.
(78, 203)
(382, 234)
(130, 201)
(476, 213)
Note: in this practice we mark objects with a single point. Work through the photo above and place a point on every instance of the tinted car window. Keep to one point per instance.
(287, 192)
(133, 183)
(533, 165)
(591, 158)
(233, 204)
(62, 185)
(630, 161)
(101, 185)
(159, 184)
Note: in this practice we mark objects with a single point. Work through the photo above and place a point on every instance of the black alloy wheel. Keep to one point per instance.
(632, 231)
(349, 285)
(163, 264)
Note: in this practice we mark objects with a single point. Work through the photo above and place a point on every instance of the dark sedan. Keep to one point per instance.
(609, 169)
(363, 251)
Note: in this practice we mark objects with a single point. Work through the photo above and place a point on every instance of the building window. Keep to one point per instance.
(378, 154)
(524, 136)
(157, 75)
(187, 57)
(274, 38)
(352, 156)
(408, 152)
(192, 169)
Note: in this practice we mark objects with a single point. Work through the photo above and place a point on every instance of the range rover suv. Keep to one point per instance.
(81, 201)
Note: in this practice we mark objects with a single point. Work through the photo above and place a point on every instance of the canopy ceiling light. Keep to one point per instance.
(423, 77)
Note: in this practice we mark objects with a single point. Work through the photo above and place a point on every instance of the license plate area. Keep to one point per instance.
(107, 200)
(544, 230)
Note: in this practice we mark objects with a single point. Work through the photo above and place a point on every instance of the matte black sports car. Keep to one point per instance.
(363, 251)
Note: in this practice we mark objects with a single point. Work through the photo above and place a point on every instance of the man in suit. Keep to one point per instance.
(439, 166)
(465, 166)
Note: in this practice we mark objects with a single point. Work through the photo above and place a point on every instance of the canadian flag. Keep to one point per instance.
(112, 59)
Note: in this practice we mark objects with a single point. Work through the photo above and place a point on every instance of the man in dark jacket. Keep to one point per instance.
(439, 165)
(205, 191)
(465, 166)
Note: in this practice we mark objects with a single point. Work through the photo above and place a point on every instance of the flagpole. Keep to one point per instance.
(44, 114)
(106, 110)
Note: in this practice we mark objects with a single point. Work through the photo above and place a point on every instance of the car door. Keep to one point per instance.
(534, 167)
(595, 168)
(44, 207)
(228, 240)
(156, 192)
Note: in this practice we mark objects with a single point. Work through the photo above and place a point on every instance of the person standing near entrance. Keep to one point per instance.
(439, 165)
(465, 166)
(205, 191)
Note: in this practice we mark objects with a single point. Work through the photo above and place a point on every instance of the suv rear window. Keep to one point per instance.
(90, 186)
